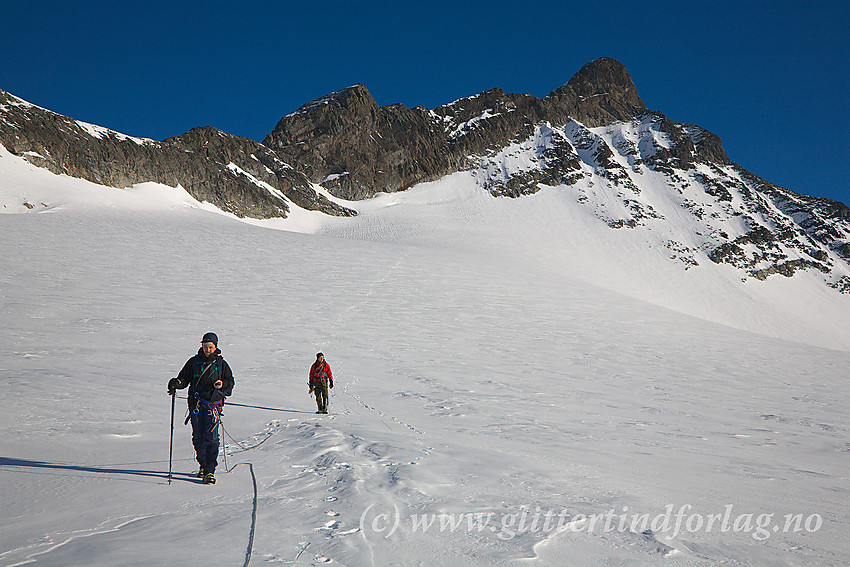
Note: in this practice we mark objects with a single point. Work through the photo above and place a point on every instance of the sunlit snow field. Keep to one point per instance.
(515, 385)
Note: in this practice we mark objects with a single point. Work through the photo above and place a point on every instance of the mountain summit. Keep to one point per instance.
(601, 92)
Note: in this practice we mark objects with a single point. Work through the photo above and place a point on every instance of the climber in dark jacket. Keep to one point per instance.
(210, 380)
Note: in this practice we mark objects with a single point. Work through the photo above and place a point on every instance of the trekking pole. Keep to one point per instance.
(171, 443)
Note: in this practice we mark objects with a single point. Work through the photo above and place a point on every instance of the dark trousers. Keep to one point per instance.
(205, 439)
(321, 391)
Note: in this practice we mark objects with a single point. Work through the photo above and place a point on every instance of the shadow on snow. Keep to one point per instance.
(105, 469)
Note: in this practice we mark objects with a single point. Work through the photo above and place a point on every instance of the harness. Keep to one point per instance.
(214, 409)
(211, 408)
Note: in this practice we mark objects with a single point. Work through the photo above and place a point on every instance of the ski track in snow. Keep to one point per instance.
(478, 370)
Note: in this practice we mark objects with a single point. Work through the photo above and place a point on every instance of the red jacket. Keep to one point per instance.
(320, 372)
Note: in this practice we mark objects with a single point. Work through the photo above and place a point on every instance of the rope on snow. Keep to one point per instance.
(253, 480)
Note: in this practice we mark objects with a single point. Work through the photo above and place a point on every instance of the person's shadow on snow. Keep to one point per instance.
(99, 469)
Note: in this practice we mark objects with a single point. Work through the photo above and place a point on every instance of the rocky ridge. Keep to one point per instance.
(235, 174)
(356, 148)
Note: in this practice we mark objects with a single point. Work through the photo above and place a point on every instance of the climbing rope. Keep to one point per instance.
(253, 511)
(253, 480)
(237, 443)
(220, 423)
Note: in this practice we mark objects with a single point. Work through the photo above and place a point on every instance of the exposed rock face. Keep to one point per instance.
(243, 156)
(355, 148)
(100, 155)
(601, 92)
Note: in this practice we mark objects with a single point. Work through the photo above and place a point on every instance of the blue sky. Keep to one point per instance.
(770, 78)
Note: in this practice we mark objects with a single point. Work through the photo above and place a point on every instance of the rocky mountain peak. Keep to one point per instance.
(355, 147)
(347, 114)
(605, 76)
(355, 98)
(601, 92)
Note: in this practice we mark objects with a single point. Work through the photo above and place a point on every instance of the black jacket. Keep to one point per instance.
(200, 373)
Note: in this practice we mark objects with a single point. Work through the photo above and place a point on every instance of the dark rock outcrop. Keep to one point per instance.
(259, 162)
(199, 161)
(601, 92)
(356, 148)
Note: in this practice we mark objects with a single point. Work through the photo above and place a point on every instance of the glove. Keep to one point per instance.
(172, 386)
(332, 384)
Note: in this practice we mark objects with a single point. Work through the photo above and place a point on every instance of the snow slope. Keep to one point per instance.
(508, 360)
